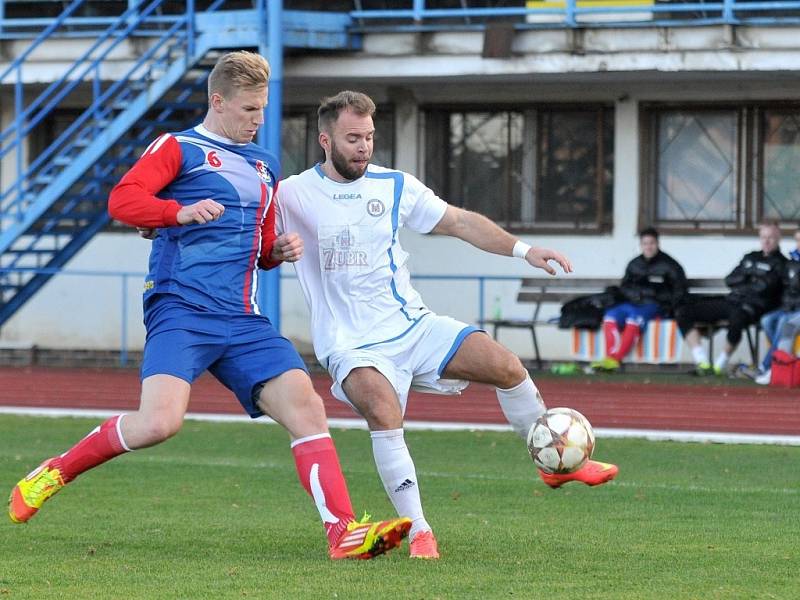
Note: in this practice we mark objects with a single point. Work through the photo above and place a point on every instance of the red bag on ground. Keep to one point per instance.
(785, 370)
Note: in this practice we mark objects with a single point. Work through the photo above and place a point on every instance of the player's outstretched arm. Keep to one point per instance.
(485, 234)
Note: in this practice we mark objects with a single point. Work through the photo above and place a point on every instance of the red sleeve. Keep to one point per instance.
(268, 235)
(133, 200)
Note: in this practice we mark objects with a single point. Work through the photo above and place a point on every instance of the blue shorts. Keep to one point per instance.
(628, 312)
(241, 350)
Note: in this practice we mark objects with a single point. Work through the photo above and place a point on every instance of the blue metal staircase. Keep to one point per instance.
(57, 203)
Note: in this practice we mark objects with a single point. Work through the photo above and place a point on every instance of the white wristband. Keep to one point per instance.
(520, 249)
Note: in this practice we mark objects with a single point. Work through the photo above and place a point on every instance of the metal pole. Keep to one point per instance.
(569, 18)
(123, 334)
(190, 32)
(18, 123)
(482, 301)
(727, 12)
(418, 8)
(271, 46)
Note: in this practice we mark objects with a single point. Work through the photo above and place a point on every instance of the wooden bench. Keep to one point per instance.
(540, 291)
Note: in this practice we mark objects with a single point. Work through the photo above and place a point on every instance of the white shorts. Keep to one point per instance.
(415, 360)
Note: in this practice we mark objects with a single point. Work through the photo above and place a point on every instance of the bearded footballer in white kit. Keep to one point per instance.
(370, 328)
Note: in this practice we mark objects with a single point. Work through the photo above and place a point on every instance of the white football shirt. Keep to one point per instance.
(353, 272)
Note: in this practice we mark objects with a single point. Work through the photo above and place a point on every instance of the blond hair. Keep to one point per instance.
(239, 70)
(330, 108)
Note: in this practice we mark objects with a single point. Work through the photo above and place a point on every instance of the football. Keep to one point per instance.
(561, 441)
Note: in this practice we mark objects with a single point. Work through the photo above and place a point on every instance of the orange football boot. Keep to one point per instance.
(424, 546)
(592, 473)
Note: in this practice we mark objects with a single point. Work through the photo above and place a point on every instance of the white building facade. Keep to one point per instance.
(573, 138)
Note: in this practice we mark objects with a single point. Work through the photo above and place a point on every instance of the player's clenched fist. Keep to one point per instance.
(200, 212)
(288, 247)
(148, 233)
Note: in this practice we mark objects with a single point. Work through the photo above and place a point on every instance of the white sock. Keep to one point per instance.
(521, 405)
(699, 355)
(722, 361)
(399, 476)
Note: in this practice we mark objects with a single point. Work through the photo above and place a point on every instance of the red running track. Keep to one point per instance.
(708, 408)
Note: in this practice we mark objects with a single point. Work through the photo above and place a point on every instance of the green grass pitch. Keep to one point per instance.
(217, 512)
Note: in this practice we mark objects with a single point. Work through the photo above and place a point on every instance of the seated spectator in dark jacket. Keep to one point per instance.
(755, 286)
(653, 286)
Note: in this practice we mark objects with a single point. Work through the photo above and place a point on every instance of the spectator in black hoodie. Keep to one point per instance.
(756, 288)
(653, 286)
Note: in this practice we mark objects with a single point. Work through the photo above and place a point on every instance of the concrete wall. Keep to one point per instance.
(85, 311)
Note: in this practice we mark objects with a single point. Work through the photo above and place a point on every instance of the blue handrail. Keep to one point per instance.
(107, 168)
(49, 212)
(119, 85)
(53, 25)
(422, 15)
(15, 199)
(70, 79)
(62, 247)
(16, 67)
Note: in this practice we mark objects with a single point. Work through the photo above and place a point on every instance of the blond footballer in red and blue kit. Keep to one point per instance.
(200, 290)
(210, 192)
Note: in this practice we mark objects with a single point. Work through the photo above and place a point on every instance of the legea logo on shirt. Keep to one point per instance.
(341, 249)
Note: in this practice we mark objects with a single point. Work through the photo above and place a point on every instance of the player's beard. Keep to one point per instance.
(344, 167)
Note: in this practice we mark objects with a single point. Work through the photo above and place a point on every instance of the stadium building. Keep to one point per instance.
(572, 123)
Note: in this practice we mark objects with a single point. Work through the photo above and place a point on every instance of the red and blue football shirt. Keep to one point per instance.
(212, 265)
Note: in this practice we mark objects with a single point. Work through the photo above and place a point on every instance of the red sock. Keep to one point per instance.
(102, 444)
(321, 475)
(629, 336)
(611, 334)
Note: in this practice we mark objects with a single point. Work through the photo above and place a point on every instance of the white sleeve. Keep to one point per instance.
(280, 219)
(424, 208)
(279, 226)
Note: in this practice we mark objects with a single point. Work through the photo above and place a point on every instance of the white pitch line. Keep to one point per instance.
(699, 436)
(601, 432)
